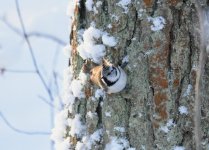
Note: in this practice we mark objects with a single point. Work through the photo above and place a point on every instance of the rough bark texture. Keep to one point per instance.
(161, 70)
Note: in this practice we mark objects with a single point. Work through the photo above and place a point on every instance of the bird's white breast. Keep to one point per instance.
(120, 84)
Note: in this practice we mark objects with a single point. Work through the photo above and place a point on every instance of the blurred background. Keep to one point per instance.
(31, 83)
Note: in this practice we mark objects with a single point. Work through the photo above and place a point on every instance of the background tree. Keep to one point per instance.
(156, 110)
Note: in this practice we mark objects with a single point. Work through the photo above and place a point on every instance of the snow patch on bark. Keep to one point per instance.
(89, 5)
(168, 126)
(109, 40)
(179, 148)
(124, 5)
(76, 126)
(188, 90)
(158, 23)
(99, 93)
(88, 142)
(183, 110)
(118, 144)
(119, 129)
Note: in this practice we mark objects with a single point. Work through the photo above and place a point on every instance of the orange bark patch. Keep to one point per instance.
(155, 124)
(193, 76)
(148, 3)
(173, 2)
(161, 57)
(159, 82)
(158, 68)
(162, 112)
(176, 83)
(157, 43)
(158, 77)
(88, 92)
(159, 98)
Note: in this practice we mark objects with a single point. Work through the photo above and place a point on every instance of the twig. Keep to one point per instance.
(19, 71)
(34, 33)
(54, 60)
(31, 51)
(34, 60)
(47, 36)
(21, 131)
(52, 125)
(59, 77)
(56, 82)
(54, 64)
(53, 84)
(57, 88)
(55, 75)
(14, 29)
(46, 101)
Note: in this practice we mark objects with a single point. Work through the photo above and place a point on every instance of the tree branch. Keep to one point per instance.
(31, 51)
(57, 88)
(47, 36)
(19, 130)
(46, 101)
(19, 71)
(33, 33)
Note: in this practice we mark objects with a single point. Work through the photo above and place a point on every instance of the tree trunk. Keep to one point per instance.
(156, 109)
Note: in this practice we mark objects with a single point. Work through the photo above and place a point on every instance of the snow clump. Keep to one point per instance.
(124, 4)
(183, 110)
(88, 142)
(118, 144)
(158, 23)
(188, 90)
(89, 5)
(90, 48)
(168, 125)
(76, 126)
(109, 40)
(179, 148)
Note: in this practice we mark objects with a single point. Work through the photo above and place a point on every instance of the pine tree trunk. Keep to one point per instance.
(156, 109)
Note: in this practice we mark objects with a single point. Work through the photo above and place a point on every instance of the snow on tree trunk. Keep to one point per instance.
(160, 40)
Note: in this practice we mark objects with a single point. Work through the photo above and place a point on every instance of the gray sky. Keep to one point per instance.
(19, 100)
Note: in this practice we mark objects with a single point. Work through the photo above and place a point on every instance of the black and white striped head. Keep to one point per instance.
(110, 72)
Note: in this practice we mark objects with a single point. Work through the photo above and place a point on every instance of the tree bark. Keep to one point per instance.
(161, 72)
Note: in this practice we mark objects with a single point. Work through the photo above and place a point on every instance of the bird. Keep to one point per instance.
(111, 78)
